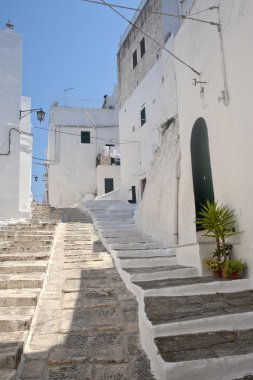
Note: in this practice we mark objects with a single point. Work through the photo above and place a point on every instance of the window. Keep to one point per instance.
(143, 115)
(142, 45)
(109, 185)
(134, 58)
(85, 137)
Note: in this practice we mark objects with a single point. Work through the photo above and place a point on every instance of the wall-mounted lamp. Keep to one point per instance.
(40, 113)
(35, 178)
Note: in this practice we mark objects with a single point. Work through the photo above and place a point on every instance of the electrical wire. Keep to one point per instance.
(204, 10)
(155, 12)
(94, 138)
(152, 39)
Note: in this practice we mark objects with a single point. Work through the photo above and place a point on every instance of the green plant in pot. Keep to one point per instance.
(218, 223)
(215, 265)
(234, 268)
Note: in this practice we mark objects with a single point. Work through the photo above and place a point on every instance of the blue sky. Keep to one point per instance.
(66, 43)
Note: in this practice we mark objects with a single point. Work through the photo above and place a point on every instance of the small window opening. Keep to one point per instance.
(134, 58)
(142, 46)
(85, 137)
(143, 116)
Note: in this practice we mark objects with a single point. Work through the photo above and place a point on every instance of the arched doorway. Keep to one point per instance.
(201, 166)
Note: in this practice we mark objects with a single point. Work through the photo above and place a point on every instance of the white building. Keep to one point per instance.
(211, 110)
(77, 148)
(15, 136)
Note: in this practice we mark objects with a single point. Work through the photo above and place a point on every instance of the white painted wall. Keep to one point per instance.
(25, 165)
(10, 102)
(110, 171)
(157, 92)
(229, 127)
(72, 164)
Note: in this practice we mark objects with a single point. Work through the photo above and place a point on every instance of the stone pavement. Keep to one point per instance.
(24, 254)
(86, 322)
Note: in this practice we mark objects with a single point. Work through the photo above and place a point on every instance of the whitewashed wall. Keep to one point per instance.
(229, 126)
(25, 169)
(10, 102)
(110, 171)
(72, 164)
(157, 92)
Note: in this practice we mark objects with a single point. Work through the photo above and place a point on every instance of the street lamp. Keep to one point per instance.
(40, 113)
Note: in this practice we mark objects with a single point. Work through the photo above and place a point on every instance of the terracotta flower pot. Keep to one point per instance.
(225, 274)
(235, 275)
(217, 273)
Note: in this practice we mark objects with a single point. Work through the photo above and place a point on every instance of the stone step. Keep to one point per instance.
(18, 297)
(195, 286)
(22, 267)
(11, 323)
(33, 242)
(138, 246)
(34, 238)
(20, 248)
(166, 252)
(161, 273)
(148, 262)
(8, 374)
(129, 239)
(112, 233)
(11, 346)
(209, 355)
(196, 313)
(21, 280)
(23, 256)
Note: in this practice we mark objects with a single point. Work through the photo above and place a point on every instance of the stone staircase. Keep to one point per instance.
(24, 253)
(191, 327)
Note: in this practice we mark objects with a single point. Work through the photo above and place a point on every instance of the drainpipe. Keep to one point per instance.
(224, 94)
(176, 195)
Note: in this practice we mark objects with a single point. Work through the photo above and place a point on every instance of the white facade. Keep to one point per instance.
(104, 173)
(15, 138)
(71, 162)
(25, 168)
(224, 59)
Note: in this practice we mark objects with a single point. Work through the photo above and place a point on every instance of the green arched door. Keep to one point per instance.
(201, 166)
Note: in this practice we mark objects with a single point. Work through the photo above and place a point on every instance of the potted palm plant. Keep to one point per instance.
(218, 221)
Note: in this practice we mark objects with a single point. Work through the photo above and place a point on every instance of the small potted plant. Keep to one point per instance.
(219, 223)
(234, 268)
(215, 265)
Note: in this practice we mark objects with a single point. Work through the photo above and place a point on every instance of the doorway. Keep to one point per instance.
(201, 165)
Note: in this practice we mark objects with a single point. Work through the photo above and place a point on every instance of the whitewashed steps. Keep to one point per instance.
(172, 353)
(148, 262)
(145, 253)
(161, 273)
(137, 246)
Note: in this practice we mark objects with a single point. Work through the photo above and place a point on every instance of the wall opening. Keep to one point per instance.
(85, 137)
(109, 185)
(143, 185)
(201, 165)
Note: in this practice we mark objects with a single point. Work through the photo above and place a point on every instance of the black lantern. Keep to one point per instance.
(40, 113)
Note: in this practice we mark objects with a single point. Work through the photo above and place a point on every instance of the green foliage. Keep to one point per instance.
(234, 266)
(213, 264)
(218, 223)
